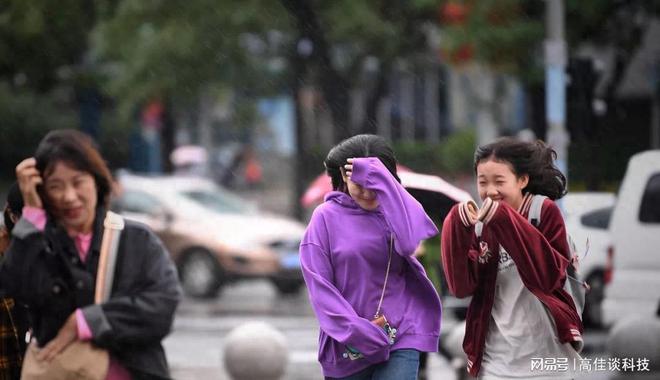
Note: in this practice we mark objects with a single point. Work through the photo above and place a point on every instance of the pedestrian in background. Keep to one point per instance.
(514, 271)
(13, 316)
(375, 305)
(52, 261)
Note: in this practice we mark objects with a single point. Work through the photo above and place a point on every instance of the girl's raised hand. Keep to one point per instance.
(28, 178)
(487, 210)
(348, 168)
(468, 212)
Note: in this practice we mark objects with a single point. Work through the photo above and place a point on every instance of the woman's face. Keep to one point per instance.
(72, 195)
(363, 197)
(497, 181)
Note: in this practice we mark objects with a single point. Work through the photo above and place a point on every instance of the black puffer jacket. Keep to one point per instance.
(43, 270)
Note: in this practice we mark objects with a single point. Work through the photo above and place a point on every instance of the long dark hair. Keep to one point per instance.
(79, 151)
(358, 146)
(534, 159)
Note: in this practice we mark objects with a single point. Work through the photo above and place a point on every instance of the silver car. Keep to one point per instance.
(213, 235)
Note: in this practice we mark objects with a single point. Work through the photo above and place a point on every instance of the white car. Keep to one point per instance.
(213, 235)
(635, 228)
(587, 216)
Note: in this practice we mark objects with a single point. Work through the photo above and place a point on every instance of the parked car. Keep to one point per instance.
(587, 216)
(635, 232)
(213, 235)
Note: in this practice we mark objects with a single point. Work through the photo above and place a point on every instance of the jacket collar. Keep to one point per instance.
(62, 236)
(342, 199)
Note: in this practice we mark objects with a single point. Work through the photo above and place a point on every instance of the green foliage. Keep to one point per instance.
(457, 153)
(38, 37)
(114, 141)
(24, 119)
(431, 260)
(180, 49)
(505, 34)
(452, 157)
(419, 156)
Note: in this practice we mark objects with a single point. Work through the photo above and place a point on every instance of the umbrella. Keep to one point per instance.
(436, 195)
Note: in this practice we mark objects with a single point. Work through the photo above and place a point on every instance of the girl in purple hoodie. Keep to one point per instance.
(376, 308)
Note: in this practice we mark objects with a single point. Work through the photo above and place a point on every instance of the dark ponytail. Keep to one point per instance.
(534, 159)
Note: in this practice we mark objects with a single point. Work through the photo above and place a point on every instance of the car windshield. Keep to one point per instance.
(219, 202)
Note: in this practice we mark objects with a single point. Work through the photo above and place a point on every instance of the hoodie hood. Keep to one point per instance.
(342, 199)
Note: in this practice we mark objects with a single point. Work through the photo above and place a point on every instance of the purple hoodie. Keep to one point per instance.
(344, 260)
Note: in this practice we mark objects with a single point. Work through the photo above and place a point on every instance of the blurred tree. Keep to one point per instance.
(182, 48)
(25, 117)
(41, 45)
(180, 52)
(40, 39)
(354, 44)
(343, 45)
(504, 34)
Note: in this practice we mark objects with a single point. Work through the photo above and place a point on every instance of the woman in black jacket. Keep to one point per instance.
(52, 262)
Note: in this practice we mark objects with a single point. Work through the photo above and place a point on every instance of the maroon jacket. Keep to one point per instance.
(541, 256)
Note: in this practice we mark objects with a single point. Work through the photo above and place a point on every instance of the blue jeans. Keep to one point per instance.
(402, 365)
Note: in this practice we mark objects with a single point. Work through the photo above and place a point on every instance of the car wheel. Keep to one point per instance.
(200, 274)
(593, 315)
(287, 286)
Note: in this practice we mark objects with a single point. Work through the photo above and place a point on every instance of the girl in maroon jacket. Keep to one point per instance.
(521, 323)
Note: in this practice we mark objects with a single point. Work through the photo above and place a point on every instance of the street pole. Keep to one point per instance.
(555, 82)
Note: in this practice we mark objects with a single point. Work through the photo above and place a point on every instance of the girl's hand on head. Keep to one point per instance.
(348, 168)
(28, 178)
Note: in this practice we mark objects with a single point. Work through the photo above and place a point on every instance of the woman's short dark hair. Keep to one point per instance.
(79, 151)
(534, 159)
(358, 146)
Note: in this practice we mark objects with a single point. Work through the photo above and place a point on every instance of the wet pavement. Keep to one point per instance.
(195, 347)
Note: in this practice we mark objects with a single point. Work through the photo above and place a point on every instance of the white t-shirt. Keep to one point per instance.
(522, 341)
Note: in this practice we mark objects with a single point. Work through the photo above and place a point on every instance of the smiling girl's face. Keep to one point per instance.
(497, 181)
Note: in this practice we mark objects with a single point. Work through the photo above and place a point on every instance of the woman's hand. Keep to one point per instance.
(67, 335)
(348, 168)
(29, 178)
(468, 212)
(487, 210)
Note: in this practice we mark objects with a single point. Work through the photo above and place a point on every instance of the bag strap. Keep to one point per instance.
(534, 218)
(105, 273)
(534, 215)
(387, 275)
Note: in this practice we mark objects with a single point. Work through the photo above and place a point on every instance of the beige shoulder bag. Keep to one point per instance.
(81, 359)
